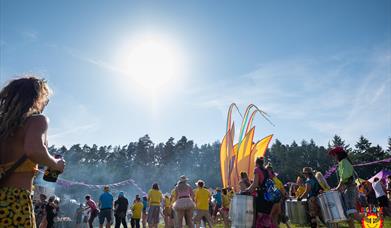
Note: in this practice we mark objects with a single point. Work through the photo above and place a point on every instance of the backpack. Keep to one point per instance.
(271, 193)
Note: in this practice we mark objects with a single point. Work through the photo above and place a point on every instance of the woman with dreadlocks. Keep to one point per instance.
(23, 145)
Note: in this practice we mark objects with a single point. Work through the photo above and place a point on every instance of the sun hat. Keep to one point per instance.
(200, 181)
(183, 178)
(336, 150)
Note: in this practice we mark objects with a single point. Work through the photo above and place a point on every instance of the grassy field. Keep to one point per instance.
(387, 223)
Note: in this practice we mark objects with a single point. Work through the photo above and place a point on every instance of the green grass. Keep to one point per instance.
(387, 223)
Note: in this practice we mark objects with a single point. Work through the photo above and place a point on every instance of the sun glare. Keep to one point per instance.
(151, 63)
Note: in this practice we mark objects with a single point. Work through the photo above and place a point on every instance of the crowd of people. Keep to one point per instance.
(46, 210)
(190, 206)
(184, 205)
(23, 145)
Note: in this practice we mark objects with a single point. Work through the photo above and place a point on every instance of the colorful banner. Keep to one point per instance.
(68, 183)
(332, 169)
(235, 158)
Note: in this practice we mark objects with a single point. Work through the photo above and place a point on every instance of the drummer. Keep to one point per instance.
(346, 183)
(312, 189)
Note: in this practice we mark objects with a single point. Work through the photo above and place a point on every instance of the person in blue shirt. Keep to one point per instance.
(312, 190)
(218, 203)
(106, 207)
(145, 206)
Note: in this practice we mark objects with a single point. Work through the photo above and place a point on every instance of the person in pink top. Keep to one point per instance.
(93, 210)
(262, 207)
(184, 202)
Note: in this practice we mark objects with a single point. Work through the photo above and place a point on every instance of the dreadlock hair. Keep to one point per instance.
(20, 99)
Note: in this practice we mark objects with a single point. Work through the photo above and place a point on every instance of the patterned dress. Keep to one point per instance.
(16, 208)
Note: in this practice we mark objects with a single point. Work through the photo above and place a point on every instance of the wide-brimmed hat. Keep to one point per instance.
(182, 178)
(200, 181)
(307, 170)
(336, 150)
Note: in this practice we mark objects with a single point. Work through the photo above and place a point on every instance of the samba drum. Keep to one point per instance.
(331, 206)
(242, 211)
(297, 211)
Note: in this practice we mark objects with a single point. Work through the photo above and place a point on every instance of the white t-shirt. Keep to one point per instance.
(377, 187)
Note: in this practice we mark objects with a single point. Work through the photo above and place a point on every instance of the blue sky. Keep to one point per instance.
(318, 68)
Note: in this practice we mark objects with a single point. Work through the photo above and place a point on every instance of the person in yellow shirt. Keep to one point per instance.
(155, 197)
(167, 211)
(225, 207)
(172, 201)
(137, 208)
(202, 198)
(231, 193)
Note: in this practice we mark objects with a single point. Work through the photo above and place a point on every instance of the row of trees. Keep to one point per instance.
(147, 162)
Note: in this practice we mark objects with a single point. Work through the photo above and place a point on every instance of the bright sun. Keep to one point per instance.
(153, 64)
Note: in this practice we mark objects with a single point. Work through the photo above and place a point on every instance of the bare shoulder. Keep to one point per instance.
(37, 121)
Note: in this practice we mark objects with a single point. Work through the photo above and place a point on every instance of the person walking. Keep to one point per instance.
(155, 197)
(120, 209)
(202, 198)
(167, 211)
(137, 209)
(218, 203)
(144, 214)
(226, 201)
(23, 145)
(184, 204)
(92, 207)
(106, 207)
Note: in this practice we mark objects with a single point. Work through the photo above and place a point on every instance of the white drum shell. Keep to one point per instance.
(331, 206)
(242, 212)
(297, 211)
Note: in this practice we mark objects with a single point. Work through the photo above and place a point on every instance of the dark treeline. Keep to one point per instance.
(147, 162)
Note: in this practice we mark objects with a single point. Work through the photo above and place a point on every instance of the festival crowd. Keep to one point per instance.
(23, 145)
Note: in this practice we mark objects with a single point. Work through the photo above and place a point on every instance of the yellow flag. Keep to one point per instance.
(258, 150)
(223, 161)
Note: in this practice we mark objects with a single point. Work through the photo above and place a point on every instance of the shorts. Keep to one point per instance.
(202, 214)
(167, 211)
(16, 208)
(216, 209)
(350, 199)
(105, 214)
(153, 215)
